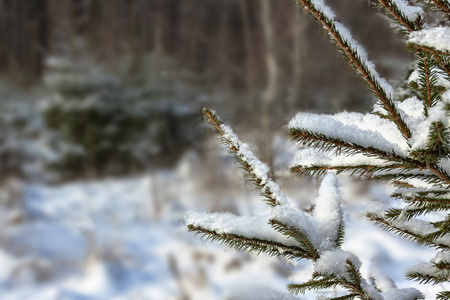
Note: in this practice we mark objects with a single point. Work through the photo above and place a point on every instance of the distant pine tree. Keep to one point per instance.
(404, 141)
(99, 125)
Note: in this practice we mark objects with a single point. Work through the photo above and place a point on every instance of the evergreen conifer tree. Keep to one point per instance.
(403, 141)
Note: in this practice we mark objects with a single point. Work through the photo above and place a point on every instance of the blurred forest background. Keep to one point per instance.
(115, 86)
(92, 90)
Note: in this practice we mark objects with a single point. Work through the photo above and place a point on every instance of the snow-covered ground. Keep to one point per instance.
(126, 239)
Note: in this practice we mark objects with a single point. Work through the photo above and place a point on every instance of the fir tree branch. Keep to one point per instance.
(429, 178)
(386, 225)
(345, 297)
(443, 230)
(443, 266)
(355, 284)
(429, 93)
(401, 18)
(341, 233)
(328, 144)
(445, 295)
(323, 283)
(372, 80)
(411, 192)
(242, 243)
(437, 55)
(269, 189)
(402, 184)
(437, 145)
(428, 49)
(425, 278)
(383, 116)
(416, 210)
(295, 233)
(443, 5)
(353, 170)
(422, 200)
(439, 172)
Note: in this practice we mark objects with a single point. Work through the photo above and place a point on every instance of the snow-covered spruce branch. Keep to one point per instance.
(443, 5)
(437, 271)
(413, 229)
(435, 42)
(257, 171)
(324, 142)
(356, 170)
(415, 210)
(365, 144)
(443, 295)
(289, 233)
(408, 16)
(373, 144)
(409, 146)
(358, 59)
(411, 18)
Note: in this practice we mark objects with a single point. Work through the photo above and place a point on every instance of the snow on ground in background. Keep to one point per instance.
(103, 240)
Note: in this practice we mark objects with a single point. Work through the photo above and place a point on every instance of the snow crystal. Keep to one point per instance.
(328, 213)
(436, 37)
(367, 130)
(227, 223)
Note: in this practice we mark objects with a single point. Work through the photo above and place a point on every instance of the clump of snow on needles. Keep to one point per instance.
(410, 11)
(227, 223)
(328, 212)
(334, 263)
(366, 130)
(436, 37)
(309, 157)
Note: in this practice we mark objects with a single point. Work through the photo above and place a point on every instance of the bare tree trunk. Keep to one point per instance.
(271, 91)
(250, 85)
(298, 35)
